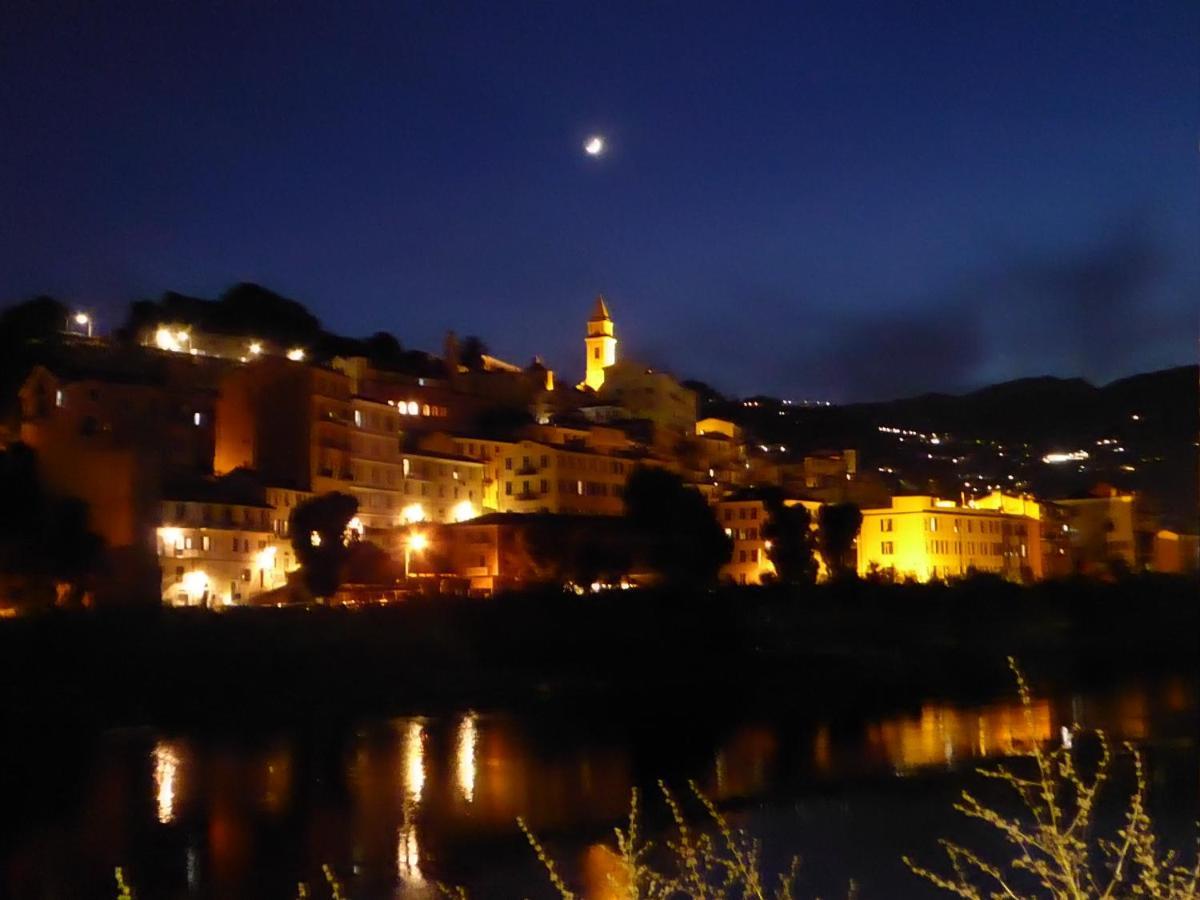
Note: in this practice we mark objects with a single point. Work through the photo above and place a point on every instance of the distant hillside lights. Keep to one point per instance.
(1072, 456)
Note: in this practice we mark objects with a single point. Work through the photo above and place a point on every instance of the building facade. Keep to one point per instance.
(925, 538)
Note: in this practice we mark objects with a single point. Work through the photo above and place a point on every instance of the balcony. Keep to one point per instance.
(530, 469)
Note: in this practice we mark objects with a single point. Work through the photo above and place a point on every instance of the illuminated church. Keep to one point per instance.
(641, 391)
(600, 344)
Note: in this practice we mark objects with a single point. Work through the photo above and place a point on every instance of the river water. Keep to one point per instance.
(394, 805)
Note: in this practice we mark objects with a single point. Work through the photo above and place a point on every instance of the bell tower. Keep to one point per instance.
(601, 344)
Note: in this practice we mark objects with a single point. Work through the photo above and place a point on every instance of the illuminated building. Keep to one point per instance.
(652, 395)
(600, 345)
(215, 543)
(487, 451)
(110, 429)
(1175, 553)
(513, 550)
(743, 515)
(923, 538)
(542, 477)
(1107, 528)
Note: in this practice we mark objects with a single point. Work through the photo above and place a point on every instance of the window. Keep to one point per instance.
(595, 353)
(508, 463)
(885, 524)
(545, 485)
(245, 574)
(508, 488)
(741, 556)
(187, 542)
(60, 399)
(886, 548)
(933, 524)
(754, 555)
(545, 460)
(754, 513)
(358, 420)
(205, 542)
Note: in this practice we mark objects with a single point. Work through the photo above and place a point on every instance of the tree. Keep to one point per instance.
(45, 545)
(472, 352)
(24, 327)
(321, 539)
(675, 529)
(383, 350)
(789, 530)
(839, 525)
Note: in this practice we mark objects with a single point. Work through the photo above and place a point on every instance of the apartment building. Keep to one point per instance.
(924, 538)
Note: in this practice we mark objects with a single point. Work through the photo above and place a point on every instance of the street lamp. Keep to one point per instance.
(415, 542)
(83, 320)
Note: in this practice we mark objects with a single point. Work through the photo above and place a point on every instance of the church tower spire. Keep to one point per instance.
(600, 344)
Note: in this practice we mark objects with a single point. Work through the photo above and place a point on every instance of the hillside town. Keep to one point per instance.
(190, 444)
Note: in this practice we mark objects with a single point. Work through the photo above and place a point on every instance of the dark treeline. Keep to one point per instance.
(843, 644)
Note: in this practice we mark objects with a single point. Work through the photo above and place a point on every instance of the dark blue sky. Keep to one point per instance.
(838, 200)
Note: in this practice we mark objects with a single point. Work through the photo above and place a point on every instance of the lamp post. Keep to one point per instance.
(83, 320)
(415, 542)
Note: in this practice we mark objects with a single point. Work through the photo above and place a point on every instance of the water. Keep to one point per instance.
(395, 804)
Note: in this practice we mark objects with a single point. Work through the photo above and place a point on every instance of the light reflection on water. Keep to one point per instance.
(408, 848)
(166, 771)
(392, 804)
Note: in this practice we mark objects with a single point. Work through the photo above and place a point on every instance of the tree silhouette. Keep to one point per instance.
(676, 531)
(789, 530)
(321, 541)
(472, 352)
(44, 539)
(839, 525)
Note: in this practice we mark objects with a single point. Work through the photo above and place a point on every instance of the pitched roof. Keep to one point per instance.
(600, 311)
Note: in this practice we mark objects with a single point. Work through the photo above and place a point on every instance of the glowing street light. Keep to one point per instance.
(416, 542)
(83, 320)
(255, 348)
(296, 354)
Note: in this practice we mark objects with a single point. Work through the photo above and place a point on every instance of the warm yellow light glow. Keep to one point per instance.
(165, 340)
(465, 757)
(195, 583)
(355, 525)
(181, 336)
(266, 558)
(417, 542)
(171, 537)
(464, 511)
(408, 851)
(414, 762)
(166, 770)
(82, 318)
(414, 512)
(296, 354)
(255, 348)
(314, 539)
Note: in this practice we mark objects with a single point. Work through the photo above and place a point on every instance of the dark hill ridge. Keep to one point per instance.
(1036, 409)
(1140, 433)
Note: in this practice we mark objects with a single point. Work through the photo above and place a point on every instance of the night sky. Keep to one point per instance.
(837, 201)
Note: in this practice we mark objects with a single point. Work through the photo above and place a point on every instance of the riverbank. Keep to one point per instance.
(862, 643)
